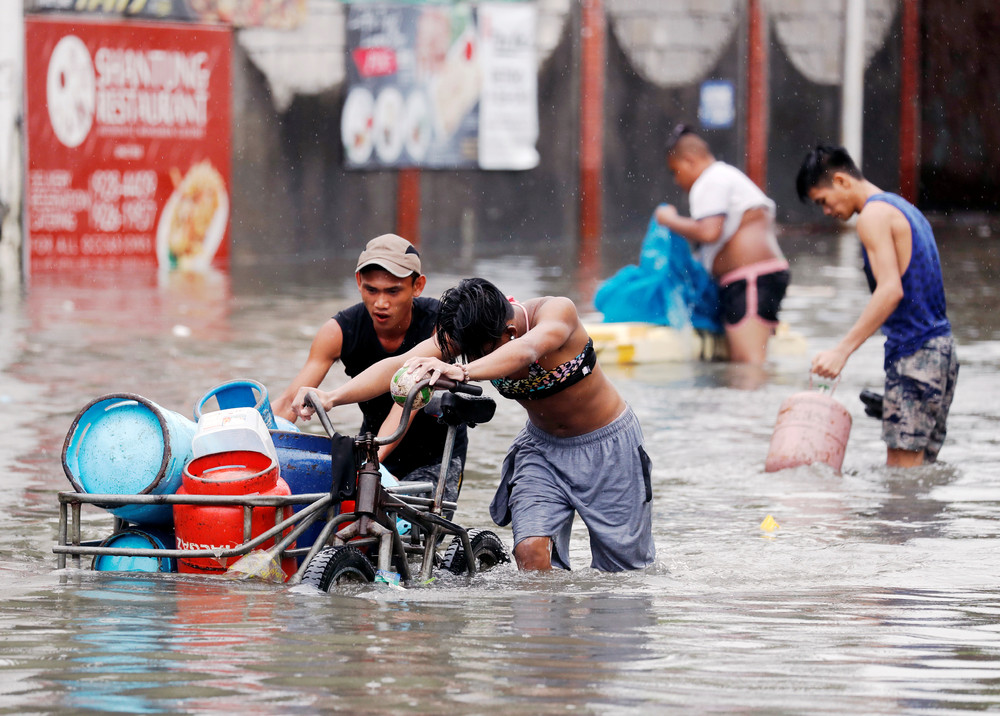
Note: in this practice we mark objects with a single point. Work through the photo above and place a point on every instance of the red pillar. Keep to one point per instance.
(408, 205)
(909, 90)
(756, 128)
(592, 66)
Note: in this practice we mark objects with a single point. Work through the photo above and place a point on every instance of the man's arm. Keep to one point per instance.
(371, 382)
(875, 230)
(704, 231)
(555, 319)
(324, 352)
(389, 426)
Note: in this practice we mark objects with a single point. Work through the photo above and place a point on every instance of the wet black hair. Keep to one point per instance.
(472, 316)
(819, 166)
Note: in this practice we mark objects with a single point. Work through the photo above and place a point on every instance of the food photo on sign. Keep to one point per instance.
(194, 219)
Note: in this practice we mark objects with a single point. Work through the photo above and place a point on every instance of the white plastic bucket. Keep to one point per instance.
(230, 430)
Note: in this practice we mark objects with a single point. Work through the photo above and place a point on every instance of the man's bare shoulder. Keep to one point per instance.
(875, 220)
(876, 210)
(329, 340)
(556, 307)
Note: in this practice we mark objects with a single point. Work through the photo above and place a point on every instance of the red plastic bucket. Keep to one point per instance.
(811, 427)
(237, 472)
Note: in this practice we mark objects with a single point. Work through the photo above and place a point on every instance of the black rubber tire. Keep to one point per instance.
(338, 565)
(488, 549)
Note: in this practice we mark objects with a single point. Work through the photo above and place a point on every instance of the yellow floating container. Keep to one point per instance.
(634, 343)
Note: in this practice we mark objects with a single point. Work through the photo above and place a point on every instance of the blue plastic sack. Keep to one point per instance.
(668, 287)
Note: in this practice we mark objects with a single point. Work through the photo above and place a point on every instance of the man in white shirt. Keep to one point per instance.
(732, 221)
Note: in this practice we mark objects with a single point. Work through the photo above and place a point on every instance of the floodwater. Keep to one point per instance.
(878, 594)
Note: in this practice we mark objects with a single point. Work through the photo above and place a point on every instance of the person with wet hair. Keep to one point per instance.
(903, 269)
(819, 166)
(581, 450)
(732, 223)
(473, 316)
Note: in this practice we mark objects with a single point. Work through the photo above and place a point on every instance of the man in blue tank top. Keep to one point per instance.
(390, 320)
(904, 274)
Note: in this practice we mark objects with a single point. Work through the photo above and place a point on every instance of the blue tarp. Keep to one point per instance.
(668, 287)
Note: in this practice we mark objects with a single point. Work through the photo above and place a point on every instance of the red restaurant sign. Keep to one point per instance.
(128, 130)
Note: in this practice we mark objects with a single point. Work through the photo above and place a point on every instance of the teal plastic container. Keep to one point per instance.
(125, 444)
(242, 394)
(135, 538)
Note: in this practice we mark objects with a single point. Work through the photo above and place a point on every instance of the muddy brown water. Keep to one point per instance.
(879, 593)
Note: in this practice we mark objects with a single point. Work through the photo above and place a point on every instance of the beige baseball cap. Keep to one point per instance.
(392, 253)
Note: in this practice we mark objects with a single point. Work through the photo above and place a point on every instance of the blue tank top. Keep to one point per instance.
(920, 315)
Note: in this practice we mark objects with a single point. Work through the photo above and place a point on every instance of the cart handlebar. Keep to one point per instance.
(313, 401)
(455, 386)
(442, 383)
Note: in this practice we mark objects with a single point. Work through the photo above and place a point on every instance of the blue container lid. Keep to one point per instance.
(116, 447)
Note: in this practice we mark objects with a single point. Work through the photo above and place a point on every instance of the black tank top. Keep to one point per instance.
(424, 441)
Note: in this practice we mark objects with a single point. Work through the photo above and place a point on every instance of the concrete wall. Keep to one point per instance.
(11, 159)
(806, 105)
(292, 196)
(960, 121)
(644, 104)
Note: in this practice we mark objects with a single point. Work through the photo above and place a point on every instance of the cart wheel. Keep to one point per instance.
(486, 546)
(338, 565)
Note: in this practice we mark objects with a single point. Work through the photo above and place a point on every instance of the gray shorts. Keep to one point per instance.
(604, 476)
(918, 393)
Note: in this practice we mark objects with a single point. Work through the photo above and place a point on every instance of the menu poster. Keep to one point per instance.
(413, 74)
(128, 136)
(441, 86)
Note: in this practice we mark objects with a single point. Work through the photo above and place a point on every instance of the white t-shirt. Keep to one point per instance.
(723, 190)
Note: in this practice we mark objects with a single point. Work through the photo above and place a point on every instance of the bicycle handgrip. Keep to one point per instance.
(456, 387)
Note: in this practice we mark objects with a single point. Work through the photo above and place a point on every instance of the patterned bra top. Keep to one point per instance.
(541, 383)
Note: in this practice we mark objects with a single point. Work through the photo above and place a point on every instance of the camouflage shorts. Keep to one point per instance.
(918, 393)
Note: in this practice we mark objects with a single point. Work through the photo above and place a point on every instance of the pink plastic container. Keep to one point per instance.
(811, 427)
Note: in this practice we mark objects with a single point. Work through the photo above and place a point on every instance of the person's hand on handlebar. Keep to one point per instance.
(303, 409)
(424, 367)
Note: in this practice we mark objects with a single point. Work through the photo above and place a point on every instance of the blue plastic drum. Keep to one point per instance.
(304, 463)
(134, 538)
(124, 444)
